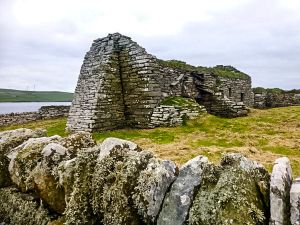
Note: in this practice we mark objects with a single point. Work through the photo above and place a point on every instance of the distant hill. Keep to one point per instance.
(10, 95)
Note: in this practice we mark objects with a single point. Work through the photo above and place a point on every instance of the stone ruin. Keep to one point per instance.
(121, 85)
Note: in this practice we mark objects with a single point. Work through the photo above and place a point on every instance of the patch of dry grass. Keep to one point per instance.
(262, 136)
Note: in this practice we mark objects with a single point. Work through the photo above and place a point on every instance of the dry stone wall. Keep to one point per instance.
(168, 115)
(237, 90)
(120, 85)
(70, 180)
(18, 118)
(117, 86)
(54, 111)
(271, 100)
(45, 112)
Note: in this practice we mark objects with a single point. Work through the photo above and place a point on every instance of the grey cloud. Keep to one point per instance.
(261, 39)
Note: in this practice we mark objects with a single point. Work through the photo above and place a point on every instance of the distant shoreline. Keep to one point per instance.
(12, 96)
(22, 107)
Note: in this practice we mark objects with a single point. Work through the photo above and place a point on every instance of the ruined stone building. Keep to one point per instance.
(121, 85)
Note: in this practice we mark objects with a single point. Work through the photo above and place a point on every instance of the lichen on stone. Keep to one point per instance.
(25, 158)
(114, 179)
(152, 186)
(8, 141)
(79, 182)
(230, 194)
(21, 209)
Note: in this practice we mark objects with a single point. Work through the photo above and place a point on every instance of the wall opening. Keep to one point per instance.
(230, 92)
(242, 97)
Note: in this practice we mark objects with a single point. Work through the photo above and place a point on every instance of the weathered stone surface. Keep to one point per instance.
(25, 157)
(79, 141)
(45, 176)
(116, 144)
(12, 138)
(22, 209)
(45, 112)
(180, 197)
(295, 202)
(152, 186)
(115, 178)
(128, 186)
(76, 175)
(174, 115)
(236, 192)
(280, 185)
(8, 141)
(270, 100)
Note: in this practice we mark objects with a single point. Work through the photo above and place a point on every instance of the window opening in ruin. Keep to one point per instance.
(230, 92)
(242, 97)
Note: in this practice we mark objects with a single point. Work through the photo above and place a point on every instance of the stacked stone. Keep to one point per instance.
(226, 108)
(237, 87)
(260, 100)
(117, 86)
(18, 118)
(98, 100)
(53, 111)
(120, 85)
(169, 115)
(141, 90)
(183, 84)
(45, 112)
(271, 100)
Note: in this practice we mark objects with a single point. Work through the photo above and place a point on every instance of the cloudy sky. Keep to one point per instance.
(43, 42)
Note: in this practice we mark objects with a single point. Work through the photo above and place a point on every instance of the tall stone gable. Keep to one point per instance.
(118, 86)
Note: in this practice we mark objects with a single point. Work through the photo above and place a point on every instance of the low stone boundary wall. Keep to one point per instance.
(272, 100)
(53, 111)
(18, 118)
(118, 183)
(45, 112)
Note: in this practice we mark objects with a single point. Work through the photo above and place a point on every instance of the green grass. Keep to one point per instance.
(223, 71)
(179, 101)
(53, 126)
(263, 136)
(156, 136)
(9, 95)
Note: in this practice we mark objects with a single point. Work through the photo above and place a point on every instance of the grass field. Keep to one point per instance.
(9, 95)
(263, 136)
